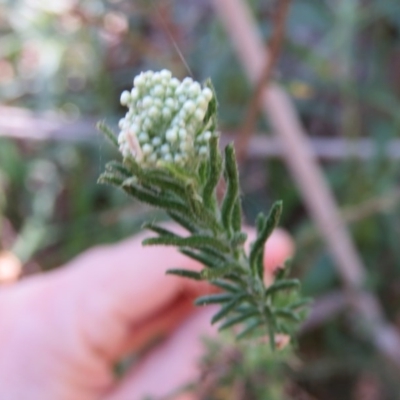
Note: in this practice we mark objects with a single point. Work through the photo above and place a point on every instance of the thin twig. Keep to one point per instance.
(16, 123)
(272, 56)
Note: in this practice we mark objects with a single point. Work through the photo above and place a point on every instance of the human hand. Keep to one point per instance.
(62, 332)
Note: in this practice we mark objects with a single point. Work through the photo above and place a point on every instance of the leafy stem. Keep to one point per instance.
(186, 190)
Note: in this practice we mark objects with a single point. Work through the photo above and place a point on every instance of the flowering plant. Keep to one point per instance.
(171, 160)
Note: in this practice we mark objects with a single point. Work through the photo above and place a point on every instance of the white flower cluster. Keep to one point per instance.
(165, 120)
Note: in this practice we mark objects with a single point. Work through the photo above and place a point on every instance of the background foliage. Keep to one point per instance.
(69, 60)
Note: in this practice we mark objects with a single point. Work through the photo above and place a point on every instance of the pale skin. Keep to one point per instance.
(62, 332)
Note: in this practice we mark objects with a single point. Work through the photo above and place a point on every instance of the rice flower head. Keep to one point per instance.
(165, 120)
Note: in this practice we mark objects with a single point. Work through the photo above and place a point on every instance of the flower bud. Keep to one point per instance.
(125, 98)
(163, 118)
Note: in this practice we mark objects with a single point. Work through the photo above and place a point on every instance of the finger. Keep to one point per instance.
(160, 322)
(78, 319)
(118, 288)
(123, 289)
(10, 267)
(172, 365)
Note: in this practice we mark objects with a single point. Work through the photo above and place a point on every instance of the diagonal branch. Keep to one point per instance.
(272, 57)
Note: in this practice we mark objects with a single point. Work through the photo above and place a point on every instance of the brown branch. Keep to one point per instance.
(272, 56)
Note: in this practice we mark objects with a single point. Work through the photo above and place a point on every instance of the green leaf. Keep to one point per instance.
(238, 239)
(301, 303)
(203, 167)
(270, 327)
(205, 259)
(265, 228)
(203, 215)
(158, 229)
(195, 241)
(213, 299)
(159, 178)
(282, 272)
(110, 179)
(282, 285)
(228, 286)
(232, 189)
(185, 273)
(228, 307)
(108, 133)
(180, 173)
(214, 174)
(117, 167)
(260, 266)
(249, 328)
(164, 183)
(239, 318)
(287, 314)
(184, 221)
(210, 119)
(260, 222)
(237, 216)
(153, 198)
(217, 272)
(133, 166)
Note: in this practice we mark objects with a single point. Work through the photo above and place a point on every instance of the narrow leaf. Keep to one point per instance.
(148, 196)
(195, 241)
(239, 238)
(184, 221)
(282, 285)
(202, 213)
(228, 286)
(282, 272)
(213, 299)
(271, 328)
(238, 318)
(159, 178)
(228, 307)
(249, 328)
(210, 118)
(260, 222)
(183, 175)
(115, 166)
(260, 265)
(203, 167)
(232, 190)
(257, 248)
(211, 262)
(237, 216)
(165, 183)
(287, 314)
(158, 229)
(133, 166)
(110, 179)
(301, 303)
(216, 272)
(185, 273)
(214, 174)
(108, 133)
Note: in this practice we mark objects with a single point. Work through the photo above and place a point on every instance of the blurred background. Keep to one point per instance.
(63, 65)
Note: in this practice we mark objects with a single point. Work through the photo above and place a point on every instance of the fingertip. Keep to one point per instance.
(279, 247)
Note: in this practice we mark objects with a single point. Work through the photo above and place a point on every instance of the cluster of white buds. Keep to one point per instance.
(165, 120)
